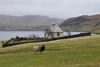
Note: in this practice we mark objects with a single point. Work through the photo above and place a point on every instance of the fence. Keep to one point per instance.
(7, 44)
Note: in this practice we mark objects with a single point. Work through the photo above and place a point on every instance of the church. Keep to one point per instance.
(56, 31)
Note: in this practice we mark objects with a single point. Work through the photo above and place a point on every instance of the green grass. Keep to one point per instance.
(1, 43)
(14, 40)
(22, 41)
(66, 58)
(98, 32)
(77, 52)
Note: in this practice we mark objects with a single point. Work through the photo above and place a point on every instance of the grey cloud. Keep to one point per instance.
(51, 8)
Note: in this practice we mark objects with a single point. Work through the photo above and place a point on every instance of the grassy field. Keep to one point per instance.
(1, 43)
(75, 52)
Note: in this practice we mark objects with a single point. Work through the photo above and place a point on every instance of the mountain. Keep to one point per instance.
(82, 23)
(26, 22)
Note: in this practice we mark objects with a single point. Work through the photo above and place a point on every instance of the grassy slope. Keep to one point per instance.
(98, 32)
(82, 23)
(1, 43)
(76, 52)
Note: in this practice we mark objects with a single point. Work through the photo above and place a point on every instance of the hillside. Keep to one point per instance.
(27, 22)
(82, 23)
(74, 52)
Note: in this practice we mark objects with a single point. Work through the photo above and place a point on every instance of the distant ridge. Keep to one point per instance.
(82, 23)
(26, 22)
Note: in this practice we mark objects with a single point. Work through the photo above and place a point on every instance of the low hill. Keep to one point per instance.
(82, 23)
(26, 22)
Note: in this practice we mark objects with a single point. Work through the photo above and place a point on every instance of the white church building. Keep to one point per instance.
(56, 30)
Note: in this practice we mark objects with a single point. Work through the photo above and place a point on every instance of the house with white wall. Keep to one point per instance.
(56, 31)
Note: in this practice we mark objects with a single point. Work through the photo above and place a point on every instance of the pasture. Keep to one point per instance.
(75, 52)
(1, 43)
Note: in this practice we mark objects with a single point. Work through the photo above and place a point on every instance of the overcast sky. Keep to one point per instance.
(52, 8)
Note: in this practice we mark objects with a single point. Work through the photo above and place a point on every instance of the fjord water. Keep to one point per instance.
(6, 35)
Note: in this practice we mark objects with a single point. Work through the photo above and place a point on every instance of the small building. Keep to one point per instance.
(56, 31)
